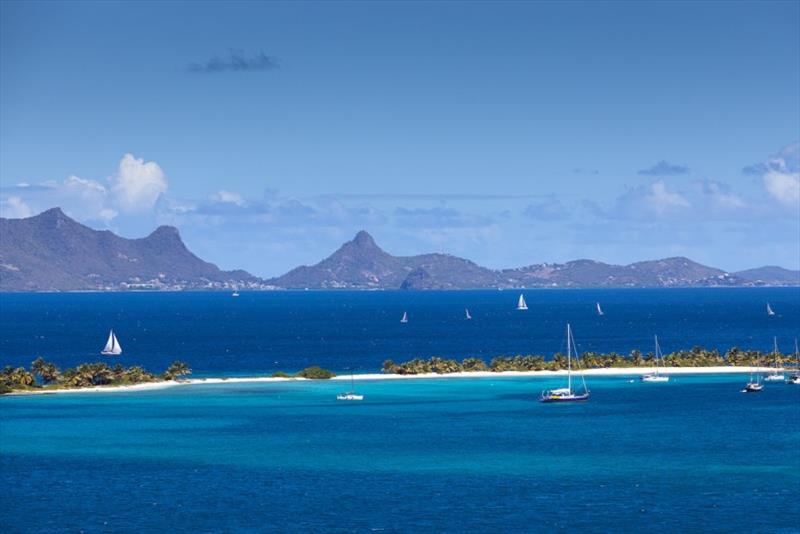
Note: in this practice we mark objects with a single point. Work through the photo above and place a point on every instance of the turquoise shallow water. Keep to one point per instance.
(441, 455)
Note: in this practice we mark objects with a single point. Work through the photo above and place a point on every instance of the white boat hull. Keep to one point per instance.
(774, 378)
(349, 397)
(655, 378)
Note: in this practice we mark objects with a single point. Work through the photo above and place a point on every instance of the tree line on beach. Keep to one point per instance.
(696, 357)
(46, 375)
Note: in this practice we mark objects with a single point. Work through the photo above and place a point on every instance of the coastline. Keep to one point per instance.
(606, 372)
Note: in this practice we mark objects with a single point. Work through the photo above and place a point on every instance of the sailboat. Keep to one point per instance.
(350, 395)
(657, 376)
(769, 310)
(112, 348)
(774, 375)
(521, 304)
(566, 394)
(754, 386)
(405, 317)
(466, 312)
(795, 378)
(599, 310)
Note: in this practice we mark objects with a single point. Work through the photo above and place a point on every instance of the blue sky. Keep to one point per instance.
(508, 133)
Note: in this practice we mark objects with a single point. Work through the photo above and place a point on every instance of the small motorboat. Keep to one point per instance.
(794, 379)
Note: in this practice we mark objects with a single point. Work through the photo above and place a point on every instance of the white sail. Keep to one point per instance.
(405, 318)
(769, 310)
(466, 311)
(599, 309)
(112, 345)
(521, 304)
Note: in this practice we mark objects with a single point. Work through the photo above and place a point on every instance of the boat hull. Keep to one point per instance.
(654, 378)
(564, 398)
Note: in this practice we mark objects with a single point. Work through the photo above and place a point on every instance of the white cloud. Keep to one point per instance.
(783, 187)
(137, 184)
(14, 208)
(662, 200)
(228, 197)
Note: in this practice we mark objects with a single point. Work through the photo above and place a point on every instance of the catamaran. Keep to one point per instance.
(774, 375)
(466, 312)
(112, 348)
(795, 378)
(521, 304)
(350, 395)
(566, 394)
(657, 376)
(769, 310)
(599, 310)
(405, 317)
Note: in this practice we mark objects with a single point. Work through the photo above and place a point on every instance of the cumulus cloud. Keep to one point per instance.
(719, 195)
(783, 187)
(14, 208)
(236, 61)
(662, 200)
(664, 168)
(780, 175)
(228, 197)
(137, 184)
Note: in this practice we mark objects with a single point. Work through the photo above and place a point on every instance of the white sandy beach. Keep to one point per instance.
(622, 371)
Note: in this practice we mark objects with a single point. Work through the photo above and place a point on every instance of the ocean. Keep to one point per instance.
(419, 455)
(260, 332)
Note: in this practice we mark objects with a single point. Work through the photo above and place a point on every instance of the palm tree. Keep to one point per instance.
(176, 370)
(47, 371)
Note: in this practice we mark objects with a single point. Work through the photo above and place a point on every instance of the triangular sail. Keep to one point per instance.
(112, 345)
(599, 309)
(405, 317)
(521, 304)
(466, 311)
(769, 310)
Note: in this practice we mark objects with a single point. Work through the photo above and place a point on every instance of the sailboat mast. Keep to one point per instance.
(569, 358)
(657, 351)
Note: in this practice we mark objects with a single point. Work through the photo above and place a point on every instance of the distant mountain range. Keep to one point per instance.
(51, 252)
(362, 264)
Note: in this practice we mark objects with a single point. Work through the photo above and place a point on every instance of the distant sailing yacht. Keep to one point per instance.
(795, 378)
(112, 348)
(657, 376)
(466, 312)
(769, 310)
(521, 304)
(599, 310)
(774, 376)
(566, 394)
(405, 317)
(350, 395)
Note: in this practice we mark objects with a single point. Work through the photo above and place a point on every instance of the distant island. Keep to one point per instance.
(44, 377)
(52, 252)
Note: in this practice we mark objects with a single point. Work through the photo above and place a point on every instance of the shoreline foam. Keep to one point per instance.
(611, 371)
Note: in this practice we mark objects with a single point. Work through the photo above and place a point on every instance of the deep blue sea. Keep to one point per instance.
(439, 455)
(260, 332)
